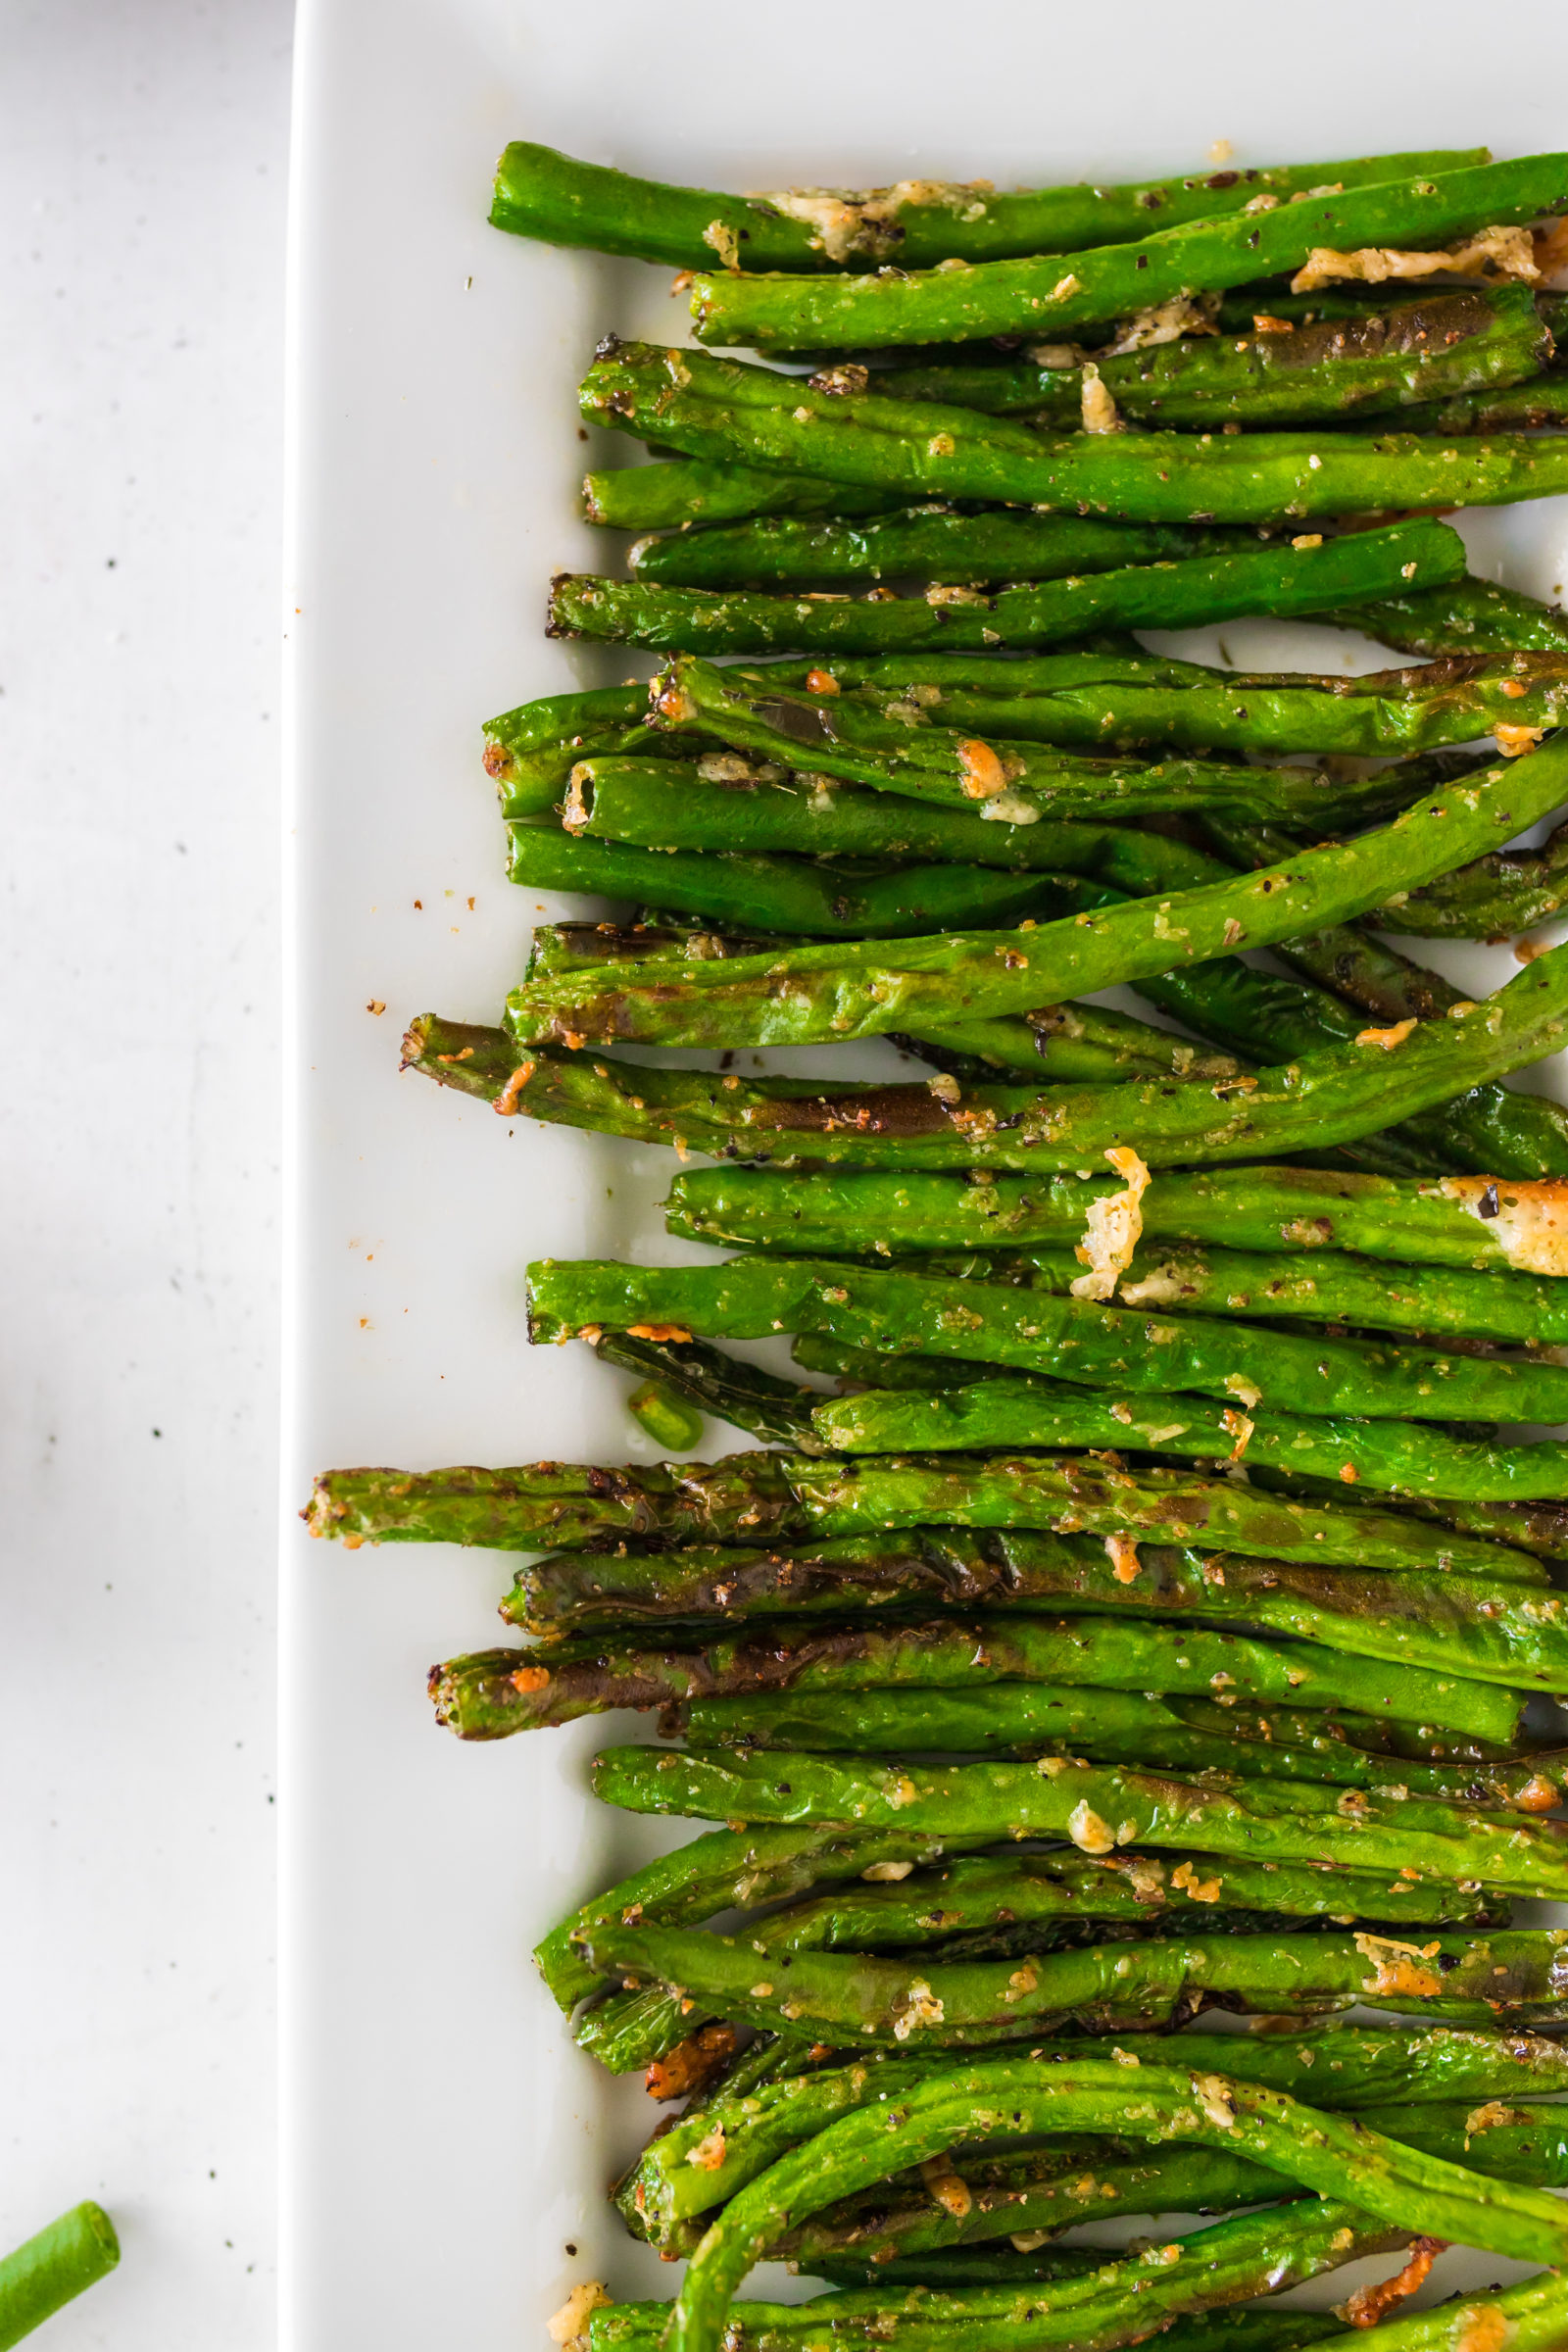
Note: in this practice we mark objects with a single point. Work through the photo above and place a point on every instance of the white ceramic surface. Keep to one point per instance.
(446, 2147)
(143, 170)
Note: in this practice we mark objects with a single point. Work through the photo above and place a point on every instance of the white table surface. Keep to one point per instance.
(143, 167)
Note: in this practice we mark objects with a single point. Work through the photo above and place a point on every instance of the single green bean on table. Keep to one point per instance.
(1076, 1339)
(833, 992)
(539, 192)
(1382, 2177)
(1095, 1805)
(1420, 350)
(1101, 1655)
(728, 409)
(60, 2262)
(1039, 295)
(932, 542)
(1451, 1221)
(1301, 578)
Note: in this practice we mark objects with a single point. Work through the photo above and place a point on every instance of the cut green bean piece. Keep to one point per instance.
(60, 2262)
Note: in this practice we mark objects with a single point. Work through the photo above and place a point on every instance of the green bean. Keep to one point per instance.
(539, 192)
(514, 1689)
(1283, 1821)
(1043, 296)
(1077, 1339)
(1306, 2144)
(833, 992)
(1451, 1222)
(1350, 2068)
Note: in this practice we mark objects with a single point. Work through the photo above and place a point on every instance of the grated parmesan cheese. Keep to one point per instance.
(1099, 411)
(1527, 1222)
(1088, 1831)
(864, 221)
(948, 2189)
(1494, 252)
(1113, 1228)
(1167, 322)
(568, 2327)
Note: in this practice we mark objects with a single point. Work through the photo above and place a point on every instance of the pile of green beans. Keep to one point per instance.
(1142, 1601)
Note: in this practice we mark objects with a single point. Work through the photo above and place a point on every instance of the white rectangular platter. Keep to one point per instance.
(446, 2148)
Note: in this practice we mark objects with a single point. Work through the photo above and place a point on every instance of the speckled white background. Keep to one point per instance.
(143, 170)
